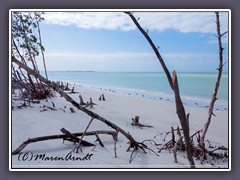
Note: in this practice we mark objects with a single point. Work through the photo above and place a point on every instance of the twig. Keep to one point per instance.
(79, 144)
(130, 160)
(219, 148)
(115, 147)
(53, 104)
(179, 141)
(152, 141)
(62, 109)
(165, 133)
(224, 33)
(99, 140)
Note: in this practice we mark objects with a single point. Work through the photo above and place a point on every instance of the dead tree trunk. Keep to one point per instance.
(183, 119)
(174, 85)
(214, 96)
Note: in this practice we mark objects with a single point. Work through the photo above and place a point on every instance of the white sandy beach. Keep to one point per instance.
(120, 109)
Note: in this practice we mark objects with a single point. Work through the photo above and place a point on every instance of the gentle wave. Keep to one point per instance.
(196, 88)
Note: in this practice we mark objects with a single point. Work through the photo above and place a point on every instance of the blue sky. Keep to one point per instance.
(109, 41)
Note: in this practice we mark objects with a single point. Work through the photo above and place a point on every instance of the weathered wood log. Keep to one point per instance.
(61, 136)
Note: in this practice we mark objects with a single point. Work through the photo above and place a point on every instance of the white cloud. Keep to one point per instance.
(99, 20)
(129, 61)
(185, 22)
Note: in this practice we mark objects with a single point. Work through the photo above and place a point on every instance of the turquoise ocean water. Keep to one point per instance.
(196, 88)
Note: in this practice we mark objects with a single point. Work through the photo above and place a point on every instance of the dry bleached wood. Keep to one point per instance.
(62, 136)
(133, 143)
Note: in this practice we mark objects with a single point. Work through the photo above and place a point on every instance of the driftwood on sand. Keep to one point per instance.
(73, 137)
(133, 144)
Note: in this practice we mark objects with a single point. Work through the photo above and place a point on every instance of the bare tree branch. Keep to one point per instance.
(174, 85)
(153, 47)
(214, 96)
(224, 33)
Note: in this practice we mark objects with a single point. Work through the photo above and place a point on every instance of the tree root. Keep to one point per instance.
(200, 153)
(139, 145)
